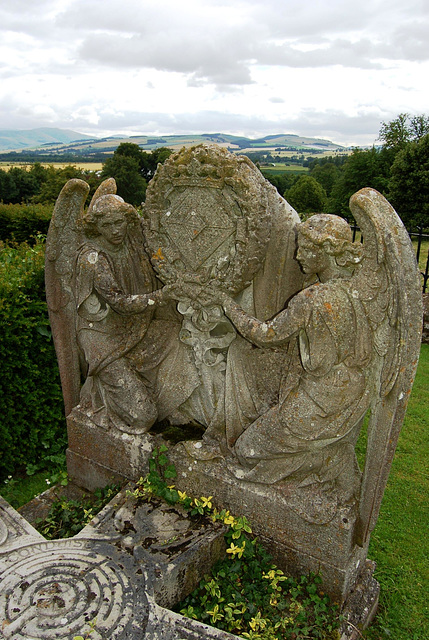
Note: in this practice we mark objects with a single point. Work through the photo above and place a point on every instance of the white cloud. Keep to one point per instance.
(248, 66)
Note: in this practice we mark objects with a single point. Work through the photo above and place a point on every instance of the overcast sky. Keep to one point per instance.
(326, 68)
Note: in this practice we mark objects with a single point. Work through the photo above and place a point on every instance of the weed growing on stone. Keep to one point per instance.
(67, 517)
(246, 594)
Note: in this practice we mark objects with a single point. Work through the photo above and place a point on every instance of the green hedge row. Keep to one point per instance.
(32, 425)
(23, 223)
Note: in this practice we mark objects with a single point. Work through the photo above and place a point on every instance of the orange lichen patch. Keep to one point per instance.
(158, 255)
(328, 307)
(271, 333)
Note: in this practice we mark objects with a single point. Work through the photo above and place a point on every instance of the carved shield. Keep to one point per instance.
(206, 218)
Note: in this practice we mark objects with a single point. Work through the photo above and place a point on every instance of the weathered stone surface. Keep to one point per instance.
(52, 589)
(97, 456)
(298, 540)
(175, 550)
(276, 337)
(116, 573)
(14, 529)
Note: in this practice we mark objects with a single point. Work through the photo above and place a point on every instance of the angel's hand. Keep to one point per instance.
(212, 295)
(185, 291)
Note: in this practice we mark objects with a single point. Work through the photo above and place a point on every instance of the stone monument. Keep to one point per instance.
(274, 338)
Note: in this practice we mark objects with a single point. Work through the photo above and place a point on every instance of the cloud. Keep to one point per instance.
(246, 66)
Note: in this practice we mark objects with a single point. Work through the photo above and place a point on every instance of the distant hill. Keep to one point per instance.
(59, 142)
(31, 138)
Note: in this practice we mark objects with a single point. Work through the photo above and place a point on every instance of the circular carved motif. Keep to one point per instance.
(53, 590)
(207, 218)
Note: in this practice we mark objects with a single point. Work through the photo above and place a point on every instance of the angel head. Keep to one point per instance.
(326, 248)
(109, 217)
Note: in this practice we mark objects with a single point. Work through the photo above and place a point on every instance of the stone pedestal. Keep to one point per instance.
(303, 532)
(97, 456)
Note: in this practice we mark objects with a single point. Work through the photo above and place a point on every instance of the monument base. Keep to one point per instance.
(303, 532)
(97, 456)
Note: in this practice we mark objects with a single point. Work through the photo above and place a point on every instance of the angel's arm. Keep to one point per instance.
(126, 304)
(271, 333)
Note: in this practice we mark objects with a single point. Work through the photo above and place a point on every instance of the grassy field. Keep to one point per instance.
(282, 167)
(86, 166)
(400, 542)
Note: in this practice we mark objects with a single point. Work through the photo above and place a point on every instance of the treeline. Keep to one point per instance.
(130, 166)
(399, 169)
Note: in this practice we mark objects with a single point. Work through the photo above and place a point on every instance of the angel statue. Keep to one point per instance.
(356, 330)
(102, 297)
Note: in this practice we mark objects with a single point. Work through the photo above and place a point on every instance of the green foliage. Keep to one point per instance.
(363, 168)
(307, 195)
(397, 133)
(32, 428)
(20, 489)
(409, 183)
(67, 517)
(245, 594)
(132, 169)
(131, 186)
(400, 542)
(55, 180)
(23, 223)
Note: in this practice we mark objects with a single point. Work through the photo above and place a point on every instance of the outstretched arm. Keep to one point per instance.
(271, 333)
(126, 304)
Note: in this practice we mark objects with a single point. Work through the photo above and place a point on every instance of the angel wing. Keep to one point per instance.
(62, 243)
(390, 291)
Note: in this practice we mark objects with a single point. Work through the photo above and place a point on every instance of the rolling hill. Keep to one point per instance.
(57, 142)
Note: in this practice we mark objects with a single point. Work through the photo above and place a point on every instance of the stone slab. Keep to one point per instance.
(14, 529)
(124, 454)
(53, 590)
(298, 545)
(175, 549)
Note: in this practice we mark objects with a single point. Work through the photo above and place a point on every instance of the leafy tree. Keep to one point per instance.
(144, 167)
(129, 181)
(57, 178)
(282, 181)
(396, 133)
(363, 168)
(307, 195)
(327, 174)
(151, 160)
(409, 183)
(419, 127)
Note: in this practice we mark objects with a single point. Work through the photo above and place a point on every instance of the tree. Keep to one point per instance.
(326, 174)
(363, 168)
(396, 133)
(404, 129)
(307, 195)
(130, 184)
(409, 184)
(57, 178)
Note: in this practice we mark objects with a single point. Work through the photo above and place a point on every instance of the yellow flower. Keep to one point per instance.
(182, 495)
(205, 502)
(229, 520)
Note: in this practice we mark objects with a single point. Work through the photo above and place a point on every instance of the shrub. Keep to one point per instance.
(23, 223)
(32, 426)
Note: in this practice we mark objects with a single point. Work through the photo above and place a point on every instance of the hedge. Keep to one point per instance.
(32, 424)
(23, 223)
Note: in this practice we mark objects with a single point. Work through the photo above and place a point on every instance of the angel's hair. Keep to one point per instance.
(335, 236)
(102, 206)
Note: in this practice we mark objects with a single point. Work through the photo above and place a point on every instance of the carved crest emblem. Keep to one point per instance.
(206, 216)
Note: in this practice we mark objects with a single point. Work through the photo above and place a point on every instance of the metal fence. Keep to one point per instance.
(418, 238)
